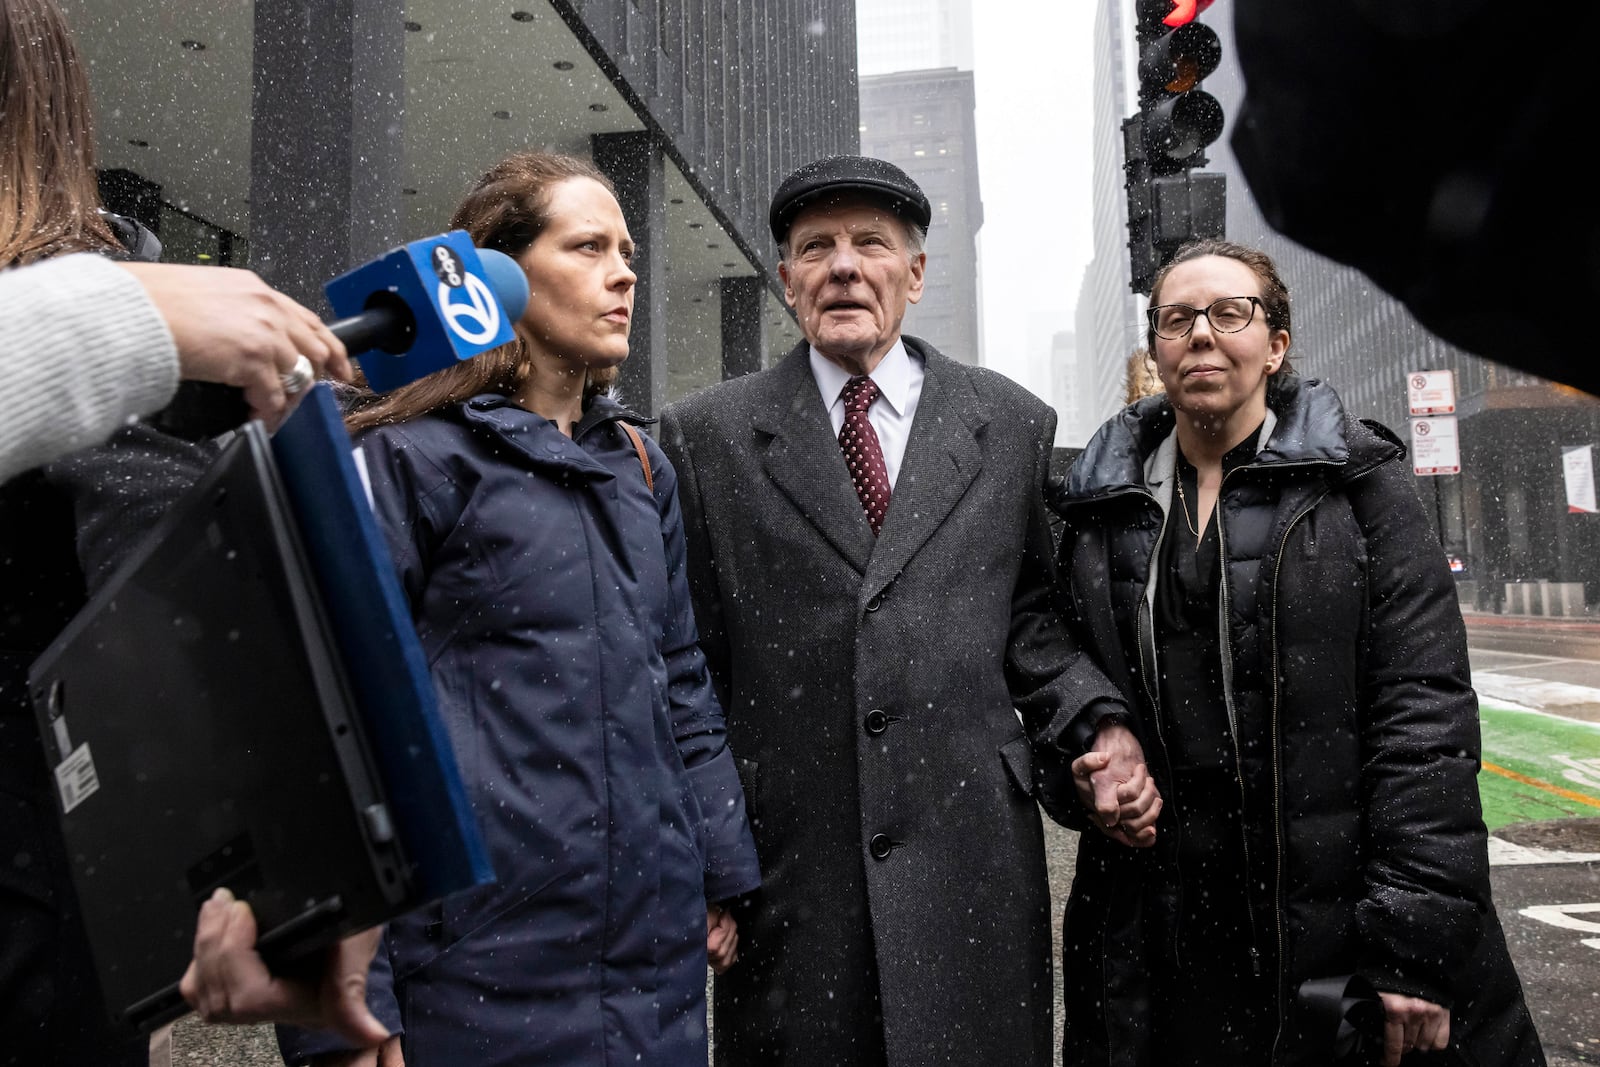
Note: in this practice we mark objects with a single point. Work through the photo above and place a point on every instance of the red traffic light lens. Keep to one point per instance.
(1184, 12)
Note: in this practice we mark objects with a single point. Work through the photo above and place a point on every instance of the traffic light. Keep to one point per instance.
(1142, 257)
(1175, 54)
(1167, 210)
(1168, 205)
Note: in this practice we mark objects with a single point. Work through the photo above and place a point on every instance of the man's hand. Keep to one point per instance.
(722, 938)
(231, 327)
(1412, 1024)
(1113, 784)
(227, 981)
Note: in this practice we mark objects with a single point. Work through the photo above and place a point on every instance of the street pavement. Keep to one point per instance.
(1539, 686)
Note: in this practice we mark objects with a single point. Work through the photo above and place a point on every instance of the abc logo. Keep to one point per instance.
(447, 266)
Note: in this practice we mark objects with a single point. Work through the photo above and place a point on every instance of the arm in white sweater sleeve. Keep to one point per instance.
(82, 351)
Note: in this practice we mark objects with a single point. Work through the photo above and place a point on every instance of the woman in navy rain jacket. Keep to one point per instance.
(540, 546)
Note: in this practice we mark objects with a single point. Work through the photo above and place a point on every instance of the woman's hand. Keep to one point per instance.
(228, 982)
(1412, 1024)
(722, 938)
(1113, 784)
(229, 326)
(385, 1055)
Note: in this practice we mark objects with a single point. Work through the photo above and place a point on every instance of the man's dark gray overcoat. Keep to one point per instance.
(872, 688)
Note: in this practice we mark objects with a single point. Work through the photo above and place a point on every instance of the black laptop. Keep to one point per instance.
(230, 711)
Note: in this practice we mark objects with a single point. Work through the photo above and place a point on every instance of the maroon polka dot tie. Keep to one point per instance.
(862, 453)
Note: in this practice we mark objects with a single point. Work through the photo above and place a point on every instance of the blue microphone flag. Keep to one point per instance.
(454, 301)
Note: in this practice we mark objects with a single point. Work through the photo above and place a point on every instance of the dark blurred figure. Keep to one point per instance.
(1437, 146)
(51, 1009)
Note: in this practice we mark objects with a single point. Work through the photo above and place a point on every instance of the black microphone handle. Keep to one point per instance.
(202, 410)
(387, 323)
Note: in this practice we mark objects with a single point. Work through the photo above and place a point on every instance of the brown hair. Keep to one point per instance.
(49, 199)
(1140, 378)
(506, 210)
(1274, 294)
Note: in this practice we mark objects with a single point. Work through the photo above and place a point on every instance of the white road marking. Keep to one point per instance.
(1503, 853)
(1565, 916)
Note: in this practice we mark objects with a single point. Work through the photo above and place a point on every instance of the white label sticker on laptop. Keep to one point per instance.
(76, 779)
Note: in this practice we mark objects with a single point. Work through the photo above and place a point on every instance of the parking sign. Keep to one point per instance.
(1435, 448)
(1431, 392)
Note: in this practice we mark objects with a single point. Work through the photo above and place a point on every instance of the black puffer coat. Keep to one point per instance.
(1354, 719)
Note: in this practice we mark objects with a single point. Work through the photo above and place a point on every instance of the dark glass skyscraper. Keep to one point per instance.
(309, 135)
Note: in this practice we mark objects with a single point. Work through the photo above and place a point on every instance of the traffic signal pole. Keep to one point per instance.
(1168, 203)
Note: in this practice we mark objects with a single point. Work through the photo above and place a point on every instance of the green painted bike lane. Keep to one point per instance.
(1537, 767)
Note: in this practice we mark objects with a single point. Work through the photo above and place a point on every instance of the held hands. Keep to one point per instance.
(1412, 1024)
(232, 328)
(722, 938)
(1113, 784)
(228, 982)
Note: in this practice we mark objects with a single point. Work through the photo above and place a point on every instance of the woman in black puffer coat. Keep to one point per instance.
(1252, 567)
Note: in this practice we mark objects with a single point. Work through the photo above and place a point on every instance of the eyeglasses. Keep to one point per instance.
(1227, 315)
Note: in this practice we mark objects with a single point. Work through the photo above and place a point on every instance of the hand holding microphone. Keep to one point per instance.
(231, 328)
(414, 310)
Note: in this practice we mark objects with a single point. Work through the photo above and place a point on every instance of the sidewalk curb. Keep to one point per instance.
(1564, 700)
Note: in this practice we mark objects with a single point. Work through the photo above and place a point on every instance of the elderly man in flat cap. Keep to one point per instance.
(871, 571)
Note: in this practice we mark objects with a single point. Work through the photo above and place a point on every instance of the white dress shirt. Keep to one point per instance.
(898, 377)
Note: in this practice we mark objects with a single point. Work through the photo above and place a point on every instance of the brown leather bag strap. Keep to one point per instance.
(644, 460)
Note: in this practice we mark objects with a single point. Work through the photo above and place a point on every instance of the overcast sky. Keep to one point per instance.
(1032, 69)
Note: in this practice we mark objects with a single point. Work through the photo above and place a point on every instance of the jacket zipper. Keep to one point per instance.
(1148, 668)
(1277, 778)
(1225, 647)
(1224, 640)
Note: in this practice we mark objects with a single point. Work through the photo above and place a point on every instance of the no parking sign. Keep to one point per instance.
(1435, 447)
(1431, 392)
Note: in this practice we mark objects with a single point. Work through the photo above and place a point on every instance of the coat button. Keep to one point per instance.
(877, 721)
(874, 603)
(880, 846)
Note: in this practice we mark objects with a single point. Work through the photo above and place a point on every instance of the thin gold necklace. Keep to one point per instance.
(1183, 505)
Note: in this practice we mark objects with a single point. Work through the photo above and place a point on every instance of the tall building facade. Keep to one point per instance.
(917, 111)
(1108, 322)
(896, 35)
(923, 122)
(1506, 515)
(1069, 394)
(300, 137)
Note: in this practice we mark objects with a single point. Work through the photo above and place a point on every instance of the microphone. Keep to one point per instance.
(416, 309)
(425, 306)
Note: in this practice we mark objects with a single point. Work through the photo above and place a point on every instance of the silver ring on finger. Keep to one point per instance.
(299, 377)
